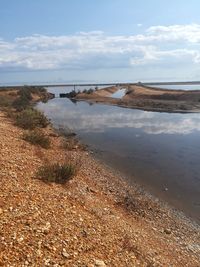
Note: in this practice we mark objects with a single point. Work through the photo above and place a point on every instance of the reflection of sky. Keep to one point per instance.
(98, 118)
(164, 155)
(119, 94)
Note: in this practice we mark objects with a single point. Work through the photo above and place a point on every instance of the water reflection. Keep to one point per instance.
(101, 117)
(119, 94)
(159, 150)
(178, 87)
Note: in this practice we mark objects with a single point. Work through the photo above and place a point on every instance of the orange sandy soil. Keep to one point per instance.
(96, 219)
(147, 98)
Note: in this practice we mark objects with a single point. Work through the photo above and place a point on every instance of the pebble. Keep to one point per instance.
(167, 231)
(65, 254)
(46, 228)
(99, 263)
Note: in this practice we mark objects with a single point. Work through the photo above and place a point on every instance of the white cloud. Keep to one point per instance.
(157, 45)
(189, 33)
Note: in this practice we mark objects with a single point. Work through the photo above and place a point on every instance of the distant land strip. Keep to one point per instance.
(103, 84)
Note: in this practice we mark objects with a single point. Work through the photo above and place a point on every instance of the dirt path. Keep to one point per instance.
(94, 220)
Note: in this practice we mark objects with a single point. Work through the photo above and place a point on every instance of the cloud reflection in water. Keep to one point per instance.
(98, 118)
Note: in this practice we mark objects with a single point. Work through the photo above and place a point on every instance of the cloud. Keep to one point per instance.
(189, 33)
(157, 45)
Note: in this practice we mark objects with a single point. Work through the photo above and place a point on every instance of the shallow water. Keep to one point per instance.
(119, 94)
(161, 151)
(178, 87)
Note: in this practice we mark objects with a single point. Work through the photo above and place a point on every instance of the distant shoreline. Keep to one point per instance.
(147, 98)
(99, 84)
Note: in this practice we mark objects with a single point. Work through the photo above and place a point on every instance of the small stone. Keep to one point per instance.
(39, 252)
(167, 231)
(20, 239)
(1, 211)
(65, 254)
(46, 228)
(99, 263)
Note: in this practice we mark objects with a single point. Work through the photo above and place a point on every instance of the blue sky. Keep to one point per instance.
(99, 41)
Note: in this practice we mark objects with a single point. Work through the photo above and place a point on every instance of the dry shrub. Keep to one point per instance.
(31, 118)
(72, 143)
(37, 138)
(57, 173)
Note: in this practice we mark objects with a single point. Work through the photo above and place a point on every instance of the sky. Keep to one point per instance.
(55, 41)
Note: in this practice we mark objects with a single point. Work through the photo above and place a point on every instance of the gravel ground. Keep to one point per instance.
(96, 219)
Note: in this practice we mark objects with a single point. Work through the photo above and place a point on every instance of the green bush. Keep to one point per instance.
(37, 138)
(57, 173)
(30, 119)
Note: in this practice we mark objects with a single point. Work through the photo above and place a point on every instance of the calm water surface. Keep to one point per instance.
(177, 87)
(161, 151)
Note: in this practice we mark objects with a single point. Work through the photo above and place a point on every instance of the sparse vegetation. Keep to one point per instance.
(5, 101)
(36, 90)
(21, 98)
(69, 144)
(72, 143)
(37, 138)
(57, 173)
(25, 93)
(25, 96)
(89, 91)
(21, 103)
(30, 119)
